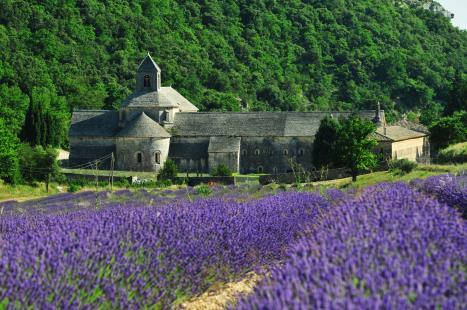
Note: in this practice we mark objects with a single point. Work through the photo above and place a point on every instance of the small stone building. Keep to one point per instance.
(156, 123)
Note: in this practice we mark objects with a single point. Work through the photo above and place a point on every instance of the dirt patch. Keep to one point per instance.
(221, 295)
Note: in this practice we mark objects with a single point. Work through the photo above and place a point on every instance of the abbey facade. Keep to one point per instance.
(156, 123)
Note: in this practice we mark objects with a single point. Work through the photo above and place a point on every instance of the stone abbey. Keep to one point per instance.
(156, 123)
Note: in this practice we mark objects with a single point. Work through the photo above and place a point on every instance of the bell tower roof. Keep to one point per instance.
(148, 65)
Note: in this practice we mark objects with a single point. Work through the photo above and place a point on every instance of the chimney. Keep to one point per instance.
(377, 119)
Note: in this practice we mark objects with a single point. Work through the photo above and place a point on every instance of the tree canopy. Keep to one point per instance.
(325, 143)
(354, 145)
(230, 55)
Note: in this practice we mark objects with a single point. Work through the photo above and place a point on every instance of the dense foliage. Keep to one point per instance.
(401, 166)
(225, 55)
(324, 145)
(221, 171)
(38, 164)
(390, 248)
(169, 171)
(345, 143)
(449, 130)
(456, 153)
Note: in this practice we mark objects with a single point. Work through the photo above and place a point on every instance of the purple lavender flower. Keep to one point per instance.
(389, 248)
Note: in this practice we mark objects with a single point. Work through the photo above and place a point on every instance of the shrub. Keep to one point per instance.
(221, 171)
(402, 166)
(449, 130)
(122, 183)
(169, 171)
(203, 190)
(73, 187)
(454, 154)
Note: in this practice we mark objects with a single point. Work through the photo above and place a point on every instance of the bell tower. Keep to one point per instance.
(148, 76)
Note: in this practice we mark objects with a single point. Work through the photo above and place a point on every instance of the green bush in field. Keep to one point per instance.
(73, 187)
(169, 171)
(221, 171)
(453, 154)
(402, 166)
(203, 190)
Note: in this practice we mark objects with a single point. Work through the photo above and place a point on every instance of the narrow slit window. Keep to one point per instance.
(139, 158)
(147, 81)
(158, 157)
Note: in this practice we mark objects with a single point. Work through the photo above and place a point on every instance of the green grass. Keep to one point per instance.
(26, 192)
(456, 153)
(144, 175)
(420, 172)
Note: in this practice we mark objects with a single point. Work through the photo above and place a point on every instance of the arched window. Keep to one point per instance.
(301, 152)
(260, 169)
(257, 152)
(286, 152)
(275, 170)
(147, 81)
(244, 152)
(157, 157)
(139, 157)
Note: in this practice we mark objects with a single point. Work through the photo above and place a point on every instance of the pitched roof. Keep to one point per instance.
(224, 144)
(399, 133)
(166, 97)
(412, 126)
(148, 64)
(253, 124)
(143, 126)
(94, 123)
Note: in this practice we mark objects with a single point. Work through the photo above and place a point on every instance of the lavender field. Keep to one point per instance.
(393, 245)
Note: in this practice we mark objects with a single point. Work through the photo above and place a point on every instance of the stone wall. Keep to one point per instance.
(273, 154)
(231, 160)
(413, 149)
(127, 151)
(190, 153)
(86, 149)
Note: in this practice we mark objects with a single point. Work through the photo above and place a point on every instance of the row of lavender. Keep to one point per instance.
(391, 247)
(71, 202)
(128, 253)
(127, 257)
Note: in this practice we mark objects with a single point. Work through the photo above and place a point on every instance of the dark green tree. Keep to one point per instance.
(457, 99)
(221, 171)
(47, 119)
(354, 146)
(39, 164)
(325, 143)
(13, 106)
(449, 130)
(169, 171)
(9, 146)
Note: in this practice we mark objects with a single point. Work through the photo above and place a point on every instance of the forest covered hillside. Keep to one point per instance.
(57, 55)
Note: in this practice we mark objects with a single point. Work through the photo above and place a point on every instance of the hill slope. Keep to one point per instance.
(273, 55)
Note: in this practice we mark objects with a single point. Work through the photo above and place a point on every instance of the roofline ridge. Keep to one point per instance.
(277, 112)
(151, 59)
(92, 110)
